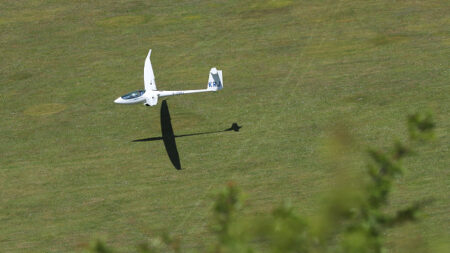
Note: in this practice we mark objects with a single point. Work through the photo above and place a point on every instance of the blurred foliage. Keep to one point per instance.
(352, 220)
(99, 246)
(421, 126)
(164, 243)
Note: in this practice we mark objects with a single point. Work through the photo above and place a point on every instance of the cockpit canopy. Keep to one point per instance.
(134, 94)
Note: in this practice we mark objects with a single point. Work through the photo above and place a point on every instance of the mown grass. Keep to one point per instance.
(293, 71)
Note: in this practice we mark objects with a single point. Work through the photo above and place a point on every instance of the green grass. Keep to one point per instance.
(293, 70)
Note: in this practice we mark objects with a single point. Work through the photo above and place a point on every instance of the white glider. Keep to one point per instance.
(150, 95)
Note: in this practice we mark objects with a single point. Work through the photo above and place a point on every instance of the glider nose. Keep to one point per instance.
(119, 100)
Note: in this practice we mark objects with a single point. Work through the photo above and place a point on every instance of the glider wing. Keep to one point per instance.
(149, 77)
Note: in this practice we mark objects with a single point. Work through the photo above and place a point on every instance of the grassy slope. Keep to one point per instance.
(292, 71)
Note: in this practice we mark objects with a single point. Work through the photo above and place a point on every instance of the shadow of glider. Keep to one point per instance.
(168, 136)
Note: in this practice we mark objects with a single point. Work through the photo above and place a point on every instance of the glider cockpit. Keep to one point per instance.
(134, 94)
(131, 98)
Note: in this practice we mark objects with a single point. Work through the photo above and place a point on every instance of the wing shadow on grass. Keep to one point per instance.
(168, 136)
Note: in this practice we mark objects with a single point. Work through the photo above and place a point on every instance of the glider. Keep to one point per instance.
(150, 95)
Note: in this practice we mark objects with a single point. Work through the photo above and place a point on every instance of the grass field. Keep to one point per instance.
(293, 71)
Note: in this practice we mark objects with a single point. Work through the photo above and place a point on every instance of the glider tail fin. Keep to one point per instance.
(215, 81)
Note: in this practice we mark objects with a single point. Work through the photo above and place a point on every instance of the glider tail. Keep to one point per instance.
(215, 81)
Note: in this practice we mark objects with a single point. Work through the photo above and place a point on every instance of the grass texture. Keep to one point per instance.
(296, 74)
